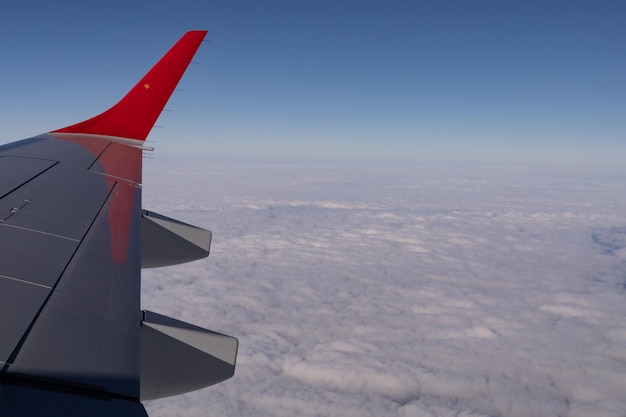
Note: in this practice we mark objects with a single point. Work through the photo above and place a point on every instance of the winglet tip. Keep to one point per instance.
(134, 115)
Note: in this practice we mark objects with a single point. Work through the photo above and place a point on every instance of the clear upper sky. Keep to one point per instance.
(480, 80)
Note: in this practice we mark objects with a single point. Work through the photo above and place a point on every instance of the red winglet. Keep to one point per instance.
(134, 115)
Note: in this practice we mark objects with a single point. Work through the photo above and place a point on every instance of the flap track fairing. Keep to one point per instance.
(178, 357)
(166, 241)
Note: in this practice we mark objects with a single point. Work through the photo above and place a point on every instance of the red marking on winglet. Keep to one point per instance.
(134, 115)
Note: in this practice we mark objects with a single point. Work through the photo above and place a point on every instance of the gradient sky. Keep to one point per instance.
(528, 81)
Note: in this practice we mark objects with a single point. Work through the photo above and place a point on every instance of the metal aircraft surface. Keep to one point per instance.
(73, 240)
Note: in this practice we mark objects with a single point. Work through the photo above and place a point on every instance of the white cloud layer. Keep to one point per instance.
(401, 291)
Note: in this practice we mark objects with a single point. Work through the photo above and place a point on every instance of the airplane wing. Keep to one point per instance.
(73, 240)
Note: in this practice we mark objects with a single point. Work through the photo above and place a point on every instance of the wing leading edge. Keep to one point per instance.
(73, 235)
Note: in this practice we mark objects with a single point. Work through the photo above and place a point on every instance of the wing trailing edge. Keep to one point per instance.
(134, 115)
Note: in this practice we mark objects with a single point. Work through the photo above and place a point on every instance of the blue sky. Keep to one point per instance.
(417, 80)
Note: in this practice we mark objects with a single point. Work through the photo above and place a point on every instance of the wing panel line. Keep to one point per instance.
(26, 182)
(97, 158)
(39, 231)
(25, 282)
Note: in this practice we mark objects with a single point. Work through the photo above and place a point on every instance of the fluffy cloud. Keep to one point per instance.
(408, 291)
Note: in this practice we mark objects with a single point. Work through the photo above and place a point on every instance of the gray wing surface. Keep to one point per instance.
(73, 338)
(69, 270)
